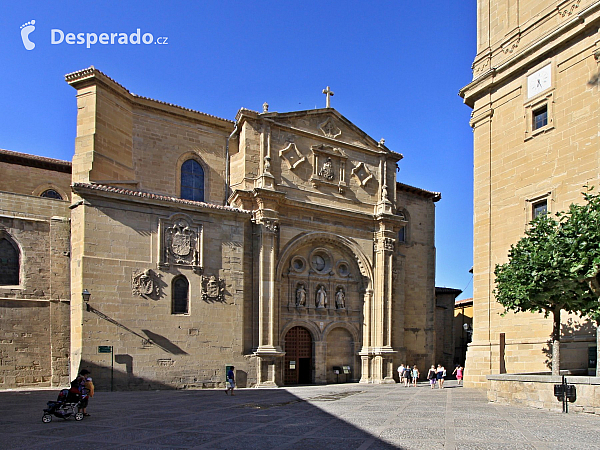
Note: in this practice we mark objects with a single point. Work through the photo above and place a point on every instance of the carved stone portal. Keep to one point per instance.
(144, 283)
(213, 289)
(180, 242)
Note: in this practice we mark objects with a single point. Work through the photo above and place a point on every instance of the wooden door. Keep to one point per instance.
(298, 356)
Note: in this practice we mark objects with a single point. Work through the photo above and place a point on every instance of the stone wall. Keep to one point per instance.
(155, 347)
(34, 315)
(538, 391)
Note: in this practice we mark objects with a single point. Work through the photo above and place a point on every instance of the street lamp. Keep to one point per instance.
(86, 295)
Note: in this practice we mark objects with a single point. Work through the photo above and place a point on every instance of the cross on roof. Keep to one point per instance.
(328, 92)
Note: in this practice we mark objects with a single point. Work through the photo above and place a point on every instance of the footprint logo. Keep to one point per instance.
(26, 30)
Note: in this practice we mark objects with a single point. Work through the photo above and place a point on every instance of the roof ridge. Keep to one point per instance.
(89, 71)
(37, 157)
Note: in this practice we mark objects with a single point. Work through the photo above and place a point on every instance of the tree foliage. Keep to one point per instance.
(556, 264)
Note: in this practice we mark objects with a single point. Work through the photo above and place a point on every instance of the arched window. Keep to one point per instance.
(9, 263)
(181, 288)
(192, 181)
(51, 193)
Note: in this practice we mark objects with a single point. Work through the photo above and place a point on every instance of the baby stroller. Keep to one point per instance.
(65, 406)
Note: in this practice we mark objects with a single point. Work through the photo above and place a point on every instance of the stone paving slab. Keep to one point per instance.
(340, 417)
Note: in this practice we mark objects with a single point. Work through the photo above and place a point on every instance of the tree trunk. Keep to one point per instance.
(598, 351)
(556, 342)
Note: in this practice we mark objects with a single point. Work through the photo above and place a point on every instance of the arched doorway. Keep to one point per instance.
(340, 353)
(298, 356)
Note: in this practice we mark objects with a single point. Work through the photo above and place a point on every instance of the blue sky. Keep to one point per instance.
(395, 68)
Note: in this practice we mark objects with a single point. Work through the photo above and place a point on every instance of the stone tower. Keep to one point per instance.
(536, 123)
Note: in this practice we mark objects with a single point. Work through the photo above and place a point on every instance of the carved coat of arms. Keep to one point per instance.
(181, 243)
(143, 283)
(213, 289)
(327, 170)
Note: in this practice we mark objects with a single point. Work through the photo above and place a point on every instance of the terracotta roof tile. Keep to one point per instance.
(25, 159)
(422, 192)
(149, 195)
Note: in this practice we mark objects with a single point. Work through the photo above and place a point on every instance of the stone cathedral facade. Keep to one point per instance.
(280, 243)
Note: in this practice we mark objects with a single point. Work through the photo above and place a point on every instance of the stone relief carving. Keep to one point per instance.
(329, 166)
(144, 283)
(271, 225)
(362, 172)
(330, 129)
(292, 155)
(340, 299)
(321, 297)
(384, 244)
(213, 289)
(180, 243)
(570, 9)
(327, 170)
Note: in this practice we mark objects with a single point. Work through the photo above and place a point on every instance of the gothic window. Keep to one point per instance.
(402, 235)
(180, 294)
(192, 181)
(9, 263)
(51, 193)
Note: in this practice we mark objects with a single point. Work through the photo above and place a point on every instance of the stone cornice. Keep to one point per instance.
(246, 114)
(531, 54)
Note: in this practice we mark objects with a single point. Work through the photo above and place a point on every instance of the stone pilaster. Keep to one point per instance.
(269, 351)
(377, 351)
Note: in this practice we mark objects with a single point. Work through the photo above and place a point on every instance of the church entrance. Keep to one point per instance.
(298, 357)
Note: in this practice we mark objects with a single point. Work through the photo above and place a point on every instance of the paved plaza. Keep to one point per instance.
(340, 417)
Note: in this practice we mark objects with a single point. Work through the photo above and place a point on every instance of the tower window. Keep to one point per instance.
(180, 303)
(540, 117)
(540, 208)
(192, 181)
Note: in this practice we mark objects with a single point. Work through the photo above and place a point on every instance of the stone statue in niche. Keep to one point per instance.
(300, 295)
(213, 289)
(327, 170)
(321, 299)
(143, 283)
(340, 299)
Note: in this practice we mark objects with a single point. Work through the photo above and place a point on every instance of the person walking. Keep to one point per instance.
(415, 375)
(230, 381)
(400, 373)
(432, 376)
(440, 374)
(406, 374)
(458, 370)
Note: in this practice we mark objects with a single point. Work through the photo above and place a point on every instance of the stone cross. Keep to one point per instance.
(329, 93)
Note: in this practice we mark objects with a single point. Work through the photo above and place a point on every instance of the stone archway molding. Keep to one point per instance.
(364, 265)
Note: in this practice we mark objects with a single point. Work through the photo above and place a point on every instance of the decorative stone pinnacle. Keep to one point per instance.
(265, 107)
(329, 93)
(381, 142)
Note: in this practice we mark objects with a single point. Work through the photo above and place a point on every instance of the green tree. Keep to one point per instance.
(554, 267)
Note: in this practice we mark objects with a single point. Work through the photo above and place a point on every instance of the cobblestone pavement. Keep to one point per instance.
(340, 417)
